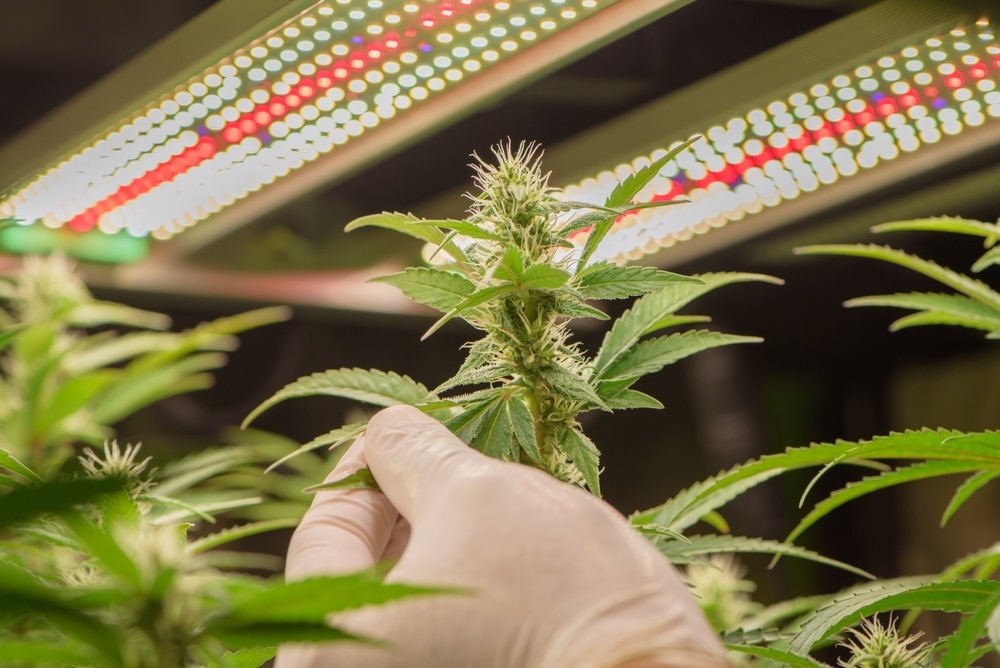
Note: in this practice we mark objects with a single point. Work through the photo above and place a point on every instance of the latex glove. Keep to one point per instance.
(559, 578)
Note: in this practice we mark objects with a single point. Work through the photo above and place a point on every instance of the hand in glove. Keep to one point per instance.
(557, 578)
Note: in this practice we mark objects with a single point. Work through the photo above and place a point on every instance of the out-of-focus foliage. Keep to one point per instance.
(106, 559)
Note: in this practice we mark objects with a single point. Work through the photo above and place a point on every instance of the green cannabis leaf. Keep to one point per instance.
(976, 305)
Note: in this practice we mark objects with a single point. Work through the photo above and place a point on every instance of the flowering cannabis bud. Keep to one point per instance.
(876, 646)
(47, 285)
(720, 590)
(118, 463)
(513, 191)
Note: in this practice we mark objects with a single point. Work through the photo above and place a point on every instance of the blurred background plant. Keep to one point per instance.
(110, 559)
(858, 627)
(68, 376)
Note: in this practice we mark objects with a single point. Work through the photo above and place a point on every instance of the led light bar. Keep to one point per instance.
(838, 128)
(330, 74)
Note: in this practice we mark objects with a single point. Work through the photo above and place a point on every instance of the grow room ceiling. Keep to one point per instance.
(803, 105)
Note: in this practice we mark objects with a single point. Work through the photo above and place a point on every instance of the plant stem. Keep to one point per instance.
(531, 346)
(540, 435)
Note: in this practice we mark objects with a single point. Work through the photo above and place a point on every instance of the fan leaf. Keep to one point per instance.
(655, 310)
(650, 356)
(410, 225)
(313, 599)
(332, 438)
(225, 536)
(942, 224)
(381, 388)
(683, 552)
(438, 288)
(463, 227)
(478, 297)
(973, 484)
(988, 259)
(957, 596)
(890, 478)
(56, 496)
(693, 503)
(632, 185)
(936, 309)
(968, 286)
(360, 479)
(97, 313)
(604, 280)
(523, 427)
(50, 652)
(494, 436)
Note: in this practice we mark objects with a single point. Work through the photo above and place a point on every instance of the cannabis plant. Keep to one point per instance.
(106, 559)
(516, 270)
(793, 630)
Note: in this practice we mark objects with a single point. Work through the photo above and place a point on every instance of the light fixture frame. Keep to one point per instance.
(203, 43)
(812, 58)
(815, 57)
(194, 47)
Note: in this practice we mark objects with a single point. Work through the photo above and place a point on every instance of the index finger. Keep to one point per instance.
(344, 530)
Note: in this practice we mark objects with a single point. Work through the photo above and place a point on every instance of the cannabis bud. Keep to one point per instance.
(876, 646)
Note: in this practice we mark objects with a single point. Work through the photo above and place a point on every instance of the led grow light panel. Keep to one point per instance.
(329, 75)
(835, 129)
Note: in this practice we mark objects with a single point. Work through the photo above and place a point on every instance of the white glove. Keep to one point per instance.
(559, 579)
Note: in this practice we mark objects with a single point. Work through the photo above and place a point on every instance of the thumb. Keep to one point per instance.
(413, 457)
(343, 530)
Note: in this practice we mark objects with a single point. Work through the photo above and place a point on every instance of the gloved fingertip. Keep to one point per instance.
(406, 451)
(401, 415)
